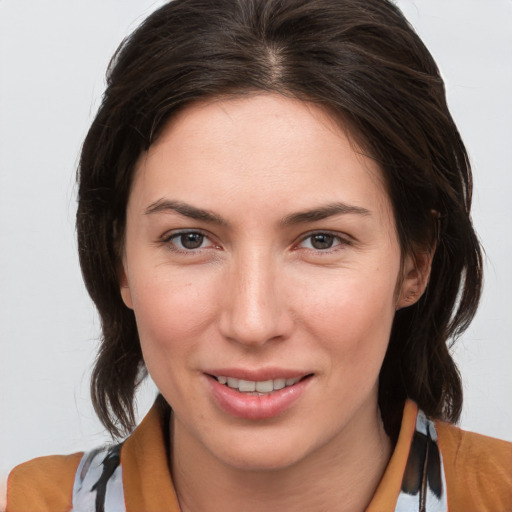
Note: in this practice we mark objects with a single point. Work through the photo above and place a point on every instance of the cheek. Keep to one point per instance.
(171, 312)
(352, 316)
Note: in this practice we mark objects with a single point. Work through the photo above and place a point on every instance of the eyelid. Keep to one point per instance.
(168, 237)
(343, 239)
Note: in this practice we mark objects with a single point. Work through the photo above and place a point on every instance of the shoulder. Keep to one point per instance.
(475, 451)
(478, 469)
(43, 484)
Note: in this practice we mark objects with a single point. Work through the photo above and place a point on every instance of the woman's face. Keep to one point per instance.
(263, 267)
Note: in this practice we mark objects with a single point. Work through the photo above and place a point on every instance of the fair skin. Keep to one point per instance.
(261, 245)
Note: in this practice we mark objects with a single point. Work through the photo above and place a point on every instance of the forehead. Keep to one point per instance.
(258, 148)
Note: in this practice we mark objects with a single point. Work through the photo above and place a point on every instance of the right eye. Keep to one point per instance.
(187, 241)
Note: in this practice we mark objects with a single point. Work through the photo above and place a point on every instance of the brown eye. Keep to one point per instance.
(322, 241)
(191, 240)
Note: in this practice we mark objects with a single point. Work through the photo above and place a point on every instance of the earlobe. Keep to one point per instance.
(416, 273)
(125, 288)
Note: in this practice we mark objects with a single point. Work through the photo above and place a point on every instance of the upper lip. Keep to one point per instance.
(258, 374)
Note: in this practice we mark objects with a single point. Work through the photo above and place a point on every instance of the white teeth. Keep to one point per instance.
(246, 386)
(232, 382)
(264, 386)
(261, 386)
(279, 383)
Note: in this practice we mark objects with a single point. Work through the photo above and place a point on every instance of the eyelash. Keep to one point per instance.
(335, 238)
(177, 235)
(339, 240)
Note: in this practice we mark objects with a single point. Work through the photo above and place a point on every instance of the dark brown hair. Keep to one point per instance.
(361, 60)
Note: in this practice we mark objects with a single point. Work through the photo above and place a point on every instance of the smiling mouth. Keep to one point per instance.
(260, 387)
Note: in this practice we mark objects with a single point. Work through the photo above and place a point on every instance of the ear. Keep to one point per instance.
(415, 276)
(124, 287)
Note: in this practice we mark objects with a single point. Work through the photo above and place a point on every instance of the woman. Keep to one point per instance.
(274, 223)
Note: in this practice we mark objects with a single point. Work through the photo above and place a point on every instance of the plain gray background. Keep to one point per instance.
(53, 56)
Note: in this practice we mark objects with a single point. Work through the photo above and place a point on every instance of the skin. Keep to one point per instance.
(259, 293)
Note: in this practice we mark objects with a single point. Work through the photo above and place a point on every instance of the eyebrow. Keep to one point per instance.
(166, 205)
(313, 215)
(324, 212)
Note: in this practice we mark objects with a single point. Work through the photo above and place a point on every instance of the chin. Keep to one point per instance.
(259, 460)
(270, 451)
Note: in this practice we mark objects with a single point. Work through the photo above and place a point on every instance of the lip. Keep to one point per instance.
(256, 407)
(256, 375)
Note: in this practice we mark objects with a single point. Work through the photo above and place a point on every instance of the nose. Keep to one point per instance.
(255, 310)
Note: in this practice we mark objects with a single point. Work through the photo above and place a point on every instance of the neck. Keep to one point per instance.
(342, 475)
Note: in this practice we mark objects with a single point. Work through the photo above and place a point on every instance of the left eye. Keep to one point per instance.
(321, 241)
(189, 240)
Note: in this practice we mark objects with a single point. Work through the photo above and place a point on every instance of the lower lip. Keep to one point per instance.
(256, 407)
